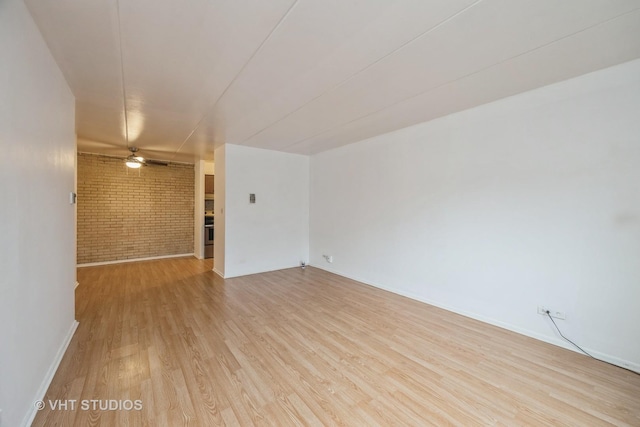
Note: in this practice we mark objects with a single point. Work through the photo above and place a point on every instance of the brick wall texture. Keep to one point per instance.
(123, 214)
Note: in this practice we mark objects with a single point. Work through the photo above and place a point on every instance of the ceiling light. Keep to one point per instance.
(134, 161)
(131, 163)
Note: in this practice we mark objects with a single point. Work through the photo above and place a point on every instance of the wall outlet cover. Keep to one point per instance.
(542, 310)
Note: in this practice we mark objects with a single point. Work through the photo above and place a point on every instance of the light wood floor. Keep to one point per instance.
(298, 347)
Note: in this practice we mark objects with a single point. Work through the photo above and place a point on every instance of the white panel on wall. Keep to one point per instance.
(37, 253)
(532, 200)
(273, 232)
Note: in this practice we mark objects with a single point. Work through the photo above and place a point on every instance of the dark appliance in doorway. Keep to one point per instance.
(208, 236)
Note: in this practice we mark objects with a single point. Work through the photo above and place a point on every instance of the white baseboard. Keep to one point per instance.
(46, 382)
(545, 338)
(267, 270)
(120, 261)
(256, 272)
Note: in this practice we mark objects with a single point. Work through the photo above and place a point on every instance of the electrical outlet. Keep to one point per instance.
(329, 258)
(553, 313)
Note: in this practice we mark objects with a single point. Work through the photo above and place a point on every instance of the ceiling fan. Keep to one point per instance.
(135, 162)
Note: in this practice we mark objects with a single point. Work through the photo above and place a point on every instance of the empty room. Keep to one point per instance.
(320, 212)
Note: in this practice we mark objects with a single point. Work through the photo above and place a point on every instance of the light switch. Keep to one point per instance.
(252, 198)
(72, 198)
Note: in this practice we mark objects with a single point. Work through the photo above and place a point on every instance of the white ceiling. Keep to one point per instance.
(179, 78)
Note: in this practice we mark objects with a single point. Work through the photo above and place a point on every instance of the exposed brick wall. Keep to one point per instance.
(122, 215)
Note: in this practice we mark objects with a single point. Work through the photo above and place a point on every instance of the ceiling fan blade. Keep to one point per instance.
(156, 162)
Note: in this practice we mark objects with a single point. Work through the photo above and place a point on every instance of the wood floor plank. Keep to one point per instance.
(306, 347)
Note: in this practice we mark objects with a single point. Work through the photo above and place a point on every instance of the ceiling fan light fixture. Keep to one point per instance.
(136, 162)
(133, 163)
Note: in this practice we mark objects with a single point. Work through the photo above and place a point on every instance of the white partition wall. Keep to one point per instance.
(219, 211)
(273, 232)
(37, 228)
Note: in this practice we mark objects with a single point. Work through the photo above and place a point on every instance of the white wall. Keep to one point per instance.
(273, 233)
(531, 200)
(219, 212)
(37, 258)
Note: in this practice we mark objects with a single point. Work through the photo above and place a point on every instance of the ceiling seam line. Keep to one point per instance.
(351, 77)
(462, 77)
(124, 91)
(259, 48)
